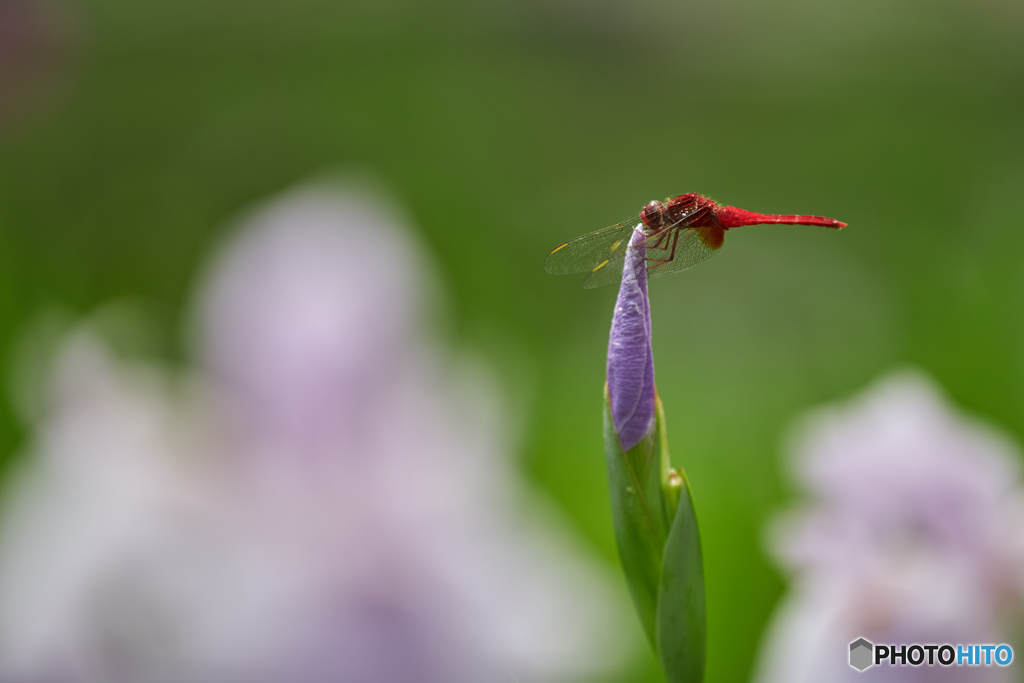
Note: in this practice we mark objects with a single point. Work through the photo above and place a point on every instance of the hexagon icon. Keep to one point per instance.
(862, 654)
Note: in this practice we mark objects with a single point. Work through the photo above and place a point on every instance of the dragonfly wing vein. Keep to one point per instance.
(587, 252)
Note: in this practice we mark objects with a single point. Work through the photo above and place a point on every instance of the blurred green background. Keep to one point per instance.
(504, 128)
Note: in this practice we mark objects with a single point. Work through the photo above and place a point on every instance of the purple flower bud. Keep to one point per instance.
(630, 361)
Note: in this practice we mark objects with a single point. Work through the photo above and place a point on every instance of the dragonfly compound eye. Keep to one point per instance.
(653, 215)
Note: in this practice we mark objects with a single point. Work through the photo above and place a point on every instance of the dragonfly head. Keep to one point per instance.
(653, 215)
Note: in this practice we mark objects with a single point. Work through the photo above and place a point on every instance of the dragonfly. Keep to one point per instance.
(680, 232)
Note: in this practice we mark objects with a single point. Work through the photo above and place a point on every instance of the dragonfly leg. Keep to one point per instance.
(661, 238)
(656, 239)
(672, 253)
(671, 233)
(675, 241)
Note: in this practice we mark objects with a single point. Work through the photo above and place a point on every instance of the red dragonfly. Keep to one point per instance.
(681, 232)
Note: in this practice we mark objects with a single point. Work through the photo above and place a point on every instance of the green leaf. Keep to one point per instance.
(659, 547)
(638, 515)
(681, 620)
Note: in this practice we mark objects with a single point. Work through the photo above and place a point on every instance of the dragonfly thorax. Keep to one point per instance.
(653, 215)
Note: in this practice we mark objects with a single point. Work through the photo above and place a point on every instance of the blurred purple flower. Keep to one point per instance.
(328, 498)
(915, 534)
(630, 360)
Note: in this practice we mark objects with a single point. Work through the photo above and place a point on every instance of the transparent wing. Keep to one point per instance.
(601, 253)
(689, 250)
(656, 249)
(593, 252)
(607, 271)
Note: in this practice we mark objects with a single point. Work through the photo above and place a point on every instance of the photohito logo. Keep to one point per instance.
(864, 654)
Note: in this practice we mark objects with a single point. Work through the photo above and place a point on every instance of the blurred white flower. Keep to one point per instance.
(326, 499)
(915, 534)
